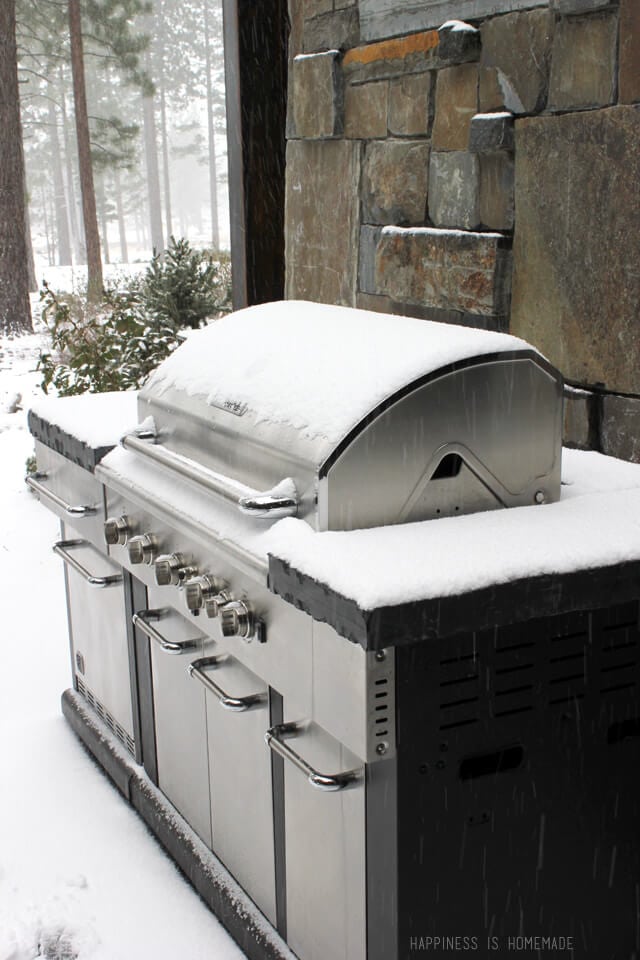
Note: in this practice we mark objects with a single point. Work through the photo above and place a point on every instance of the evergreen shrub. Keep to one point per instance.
(115, 344)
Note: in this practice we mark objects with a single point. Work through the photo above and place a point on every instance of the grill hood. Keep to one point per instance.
(369, 418)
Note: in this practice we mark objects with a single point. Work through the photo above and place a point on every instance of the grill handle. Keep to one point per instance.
(256, 503)
(74, 510)
(275, 740)
(141, 621)
(62, 548)
(235, 704)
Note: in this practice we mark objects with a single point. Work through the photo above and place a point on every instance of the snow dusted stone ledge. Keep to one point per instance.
(84, 428)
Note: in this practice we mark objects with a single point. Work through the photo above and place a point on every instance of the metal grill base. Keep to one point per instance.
(235, 911)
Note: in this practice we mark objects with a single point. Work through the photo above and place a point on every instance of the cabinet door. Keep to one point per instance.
(325, 854)
(240, 775)
(180, 716)
(98, 634)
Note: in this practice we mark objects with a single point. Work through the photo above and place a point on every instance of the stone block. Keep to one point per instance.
(577, 430)
(365, 110)
(496, 191)
(491, 133)
(369, 237)
(620, 427)
(577, 243)
(394, 182)
(315, 8)
(317, 93)
(399, 57)
(445, 270)
(338, 30)
(410, 105)
(454, 190)
(516, 53)
(629, 56)
(459, 42)
(389, 18)
(322, 220)
(568, 7)
(456, 104)
(583, 68)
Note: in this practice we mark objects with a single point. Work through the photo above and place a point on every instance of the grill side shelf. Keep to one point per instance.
(63, 443)
(422, 620)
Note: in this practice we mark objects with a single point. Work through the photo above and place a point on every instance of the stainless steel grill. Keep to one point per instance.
(200, 663)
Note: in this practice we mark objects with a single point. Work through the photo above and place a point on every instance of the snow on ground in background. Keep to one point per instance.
(80, 876)
(75, 278)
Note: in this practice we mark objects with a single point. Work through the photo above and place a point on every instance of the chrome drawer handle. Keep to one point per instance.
(321, 781)
(236, 704)
(62, 548)
(141, 621)
(74, 510)
(265, 504)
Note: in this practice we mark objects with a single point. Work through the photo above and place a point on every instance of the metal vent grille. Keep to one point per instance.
(541, 665)
(105, 716)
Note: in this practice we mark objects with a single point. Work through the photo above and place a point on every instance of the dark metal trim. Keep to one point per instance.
(276, 716)
(497, 605)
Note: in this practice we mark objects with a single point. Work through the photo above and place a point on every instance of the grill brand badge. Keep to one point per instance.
(235, 407)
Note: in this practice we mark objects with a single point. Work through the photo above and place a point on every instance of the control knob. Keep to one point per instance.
(173, 569)
(198, 590)
(214, 605)
(143, 548)
(236, 620)
(116, 530)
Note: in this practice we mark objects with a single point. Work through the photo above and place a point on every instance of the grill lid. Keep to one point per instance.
(361, 410)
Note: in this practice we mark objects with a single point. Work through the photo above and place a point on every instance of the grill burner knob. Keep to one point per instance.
(143, 548)
(116, 530)
(198, 590)
(213, 605)
(172, 569)
(236, 620)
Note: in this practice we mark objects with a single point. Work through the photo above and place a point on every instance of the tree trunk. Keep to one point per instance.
(31, 264)
(102, 211)
(153, 177)
(122, 227)
(165, 162)
(15, 311)
(92, 237)
(62, 219)
(213, 179)
(72, 207)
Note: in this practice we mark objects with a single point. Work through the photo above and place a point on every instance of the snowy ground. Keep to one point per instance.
(80, 876)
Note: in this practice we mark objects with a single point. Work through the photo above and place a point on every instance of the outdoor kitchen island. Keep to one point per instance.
(449, 703)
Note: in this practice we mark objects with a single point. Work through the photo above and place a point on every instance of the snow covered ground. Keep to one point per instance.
(80, 876)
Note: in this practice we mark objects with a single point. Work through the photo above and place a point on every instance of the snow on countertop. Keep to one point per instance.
(595, 523)
(97, 419)
(316, 367)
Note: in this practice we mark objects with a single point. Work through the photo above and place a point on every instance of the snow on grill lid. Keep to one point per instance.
(315, 367)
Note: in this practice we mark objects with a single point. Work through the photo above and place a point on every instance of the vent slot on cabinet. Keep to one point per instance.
(490, 763)
(106, 717)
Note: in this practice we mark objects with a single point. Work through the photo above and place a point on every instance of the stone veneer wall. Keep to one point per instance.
(485, 173)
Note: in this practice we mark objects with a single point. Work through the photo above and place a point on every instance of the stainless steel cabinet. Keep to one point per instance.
(240, 775)
(325, 852)
(179, 712)
(98, 635)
